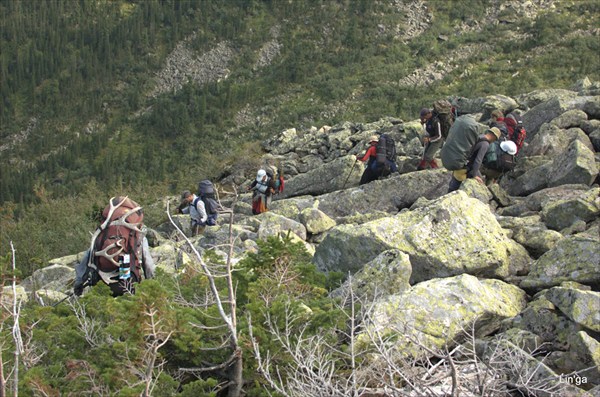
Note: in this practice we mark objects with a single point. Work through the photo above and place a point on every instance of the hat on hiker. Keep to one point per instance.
(185, 194)
(496, 131)
(260, 175)
(424, 112)
(373, 138)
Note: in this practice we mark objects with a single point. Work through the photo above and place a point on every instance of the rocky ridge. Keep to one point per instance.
(519, 261)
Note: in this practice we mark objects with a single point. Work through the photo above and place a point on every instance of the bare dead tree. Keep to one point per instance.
(16, 330)
(226, 307)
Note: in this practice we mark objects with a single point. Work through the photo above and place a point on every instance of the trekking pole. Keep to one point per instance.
(69, 295)
(352, 169)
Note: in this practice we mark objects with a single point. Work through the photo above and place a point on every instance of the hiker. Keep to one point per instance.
(433, 139)
(118, 251)
(370, 172)
(499, 159)
(263, 188)
(497, 120)
(274, 173)
(473, 166)
(194, 205)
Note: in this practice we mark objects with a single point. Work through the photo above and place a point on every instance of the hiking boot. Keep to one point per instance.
(422, 165)
(433, 164)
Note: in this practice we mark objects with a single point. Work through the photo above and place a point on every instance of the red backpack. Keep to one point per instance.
(118, 242)
(516, 131)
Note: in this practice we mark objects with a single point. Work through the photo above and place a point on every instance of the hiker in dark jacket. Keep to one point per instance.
(263, 188)
(193, 205)
(478, 151)
(370, 157)
(433, 139)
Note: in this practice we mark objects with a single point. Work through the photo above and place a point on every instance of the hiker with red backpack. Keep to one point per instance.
(118, 252)
(369, 157)
(516, 131)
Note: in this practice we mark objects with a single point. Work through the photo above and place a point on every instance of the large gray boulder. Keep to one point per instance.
(53, 277)
(576, 165)
(582, 307)
(389, 195)
(560, 214)
(327, 178)
(437, 312)
(548, 110)
(452, 235)
(273, 225)
(574, 258)
(552, 141)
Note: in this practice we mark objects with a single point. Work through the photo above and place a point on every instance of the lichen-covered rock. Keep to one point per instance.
(526, 340)
(291, 207)
(218, 236)
(452, 235)
(273, 225)
(560, 214)
(8, 297)
(438, 311)
(316, 221)
(327, 178)
(576, 165)
(582, 357)
(476, 190)
(53, 277)
(574, 258)
(387, 274)
(570, 118)
(389, 195)
(536, 239)
(500, 195)
(170, 258)
(583, 307)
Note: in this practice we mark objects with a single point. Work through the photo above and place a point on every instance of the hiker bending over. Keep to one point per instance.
(118, 251)
(194, 205)
(433, 139)
(263, 188)
(370, 157)
(478, 151)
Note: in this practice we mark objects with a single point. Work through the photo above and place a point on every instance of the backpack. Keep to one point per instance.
(385, 150)
(462, 136)
(206, 192)
(497, 159)
(516, 131)
(442, 113)
(274, 174)
(117, 244)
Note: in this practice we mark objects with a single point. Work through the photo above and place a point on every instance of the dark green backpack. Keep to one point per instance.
(497, 159)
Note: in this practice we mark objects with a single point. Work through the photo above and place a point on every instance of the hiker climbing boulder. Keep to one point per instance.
(574, 258)
(578, 305)
(316, 221)
(562, 213)
(437, 312)
(324, 179)
(452, 235)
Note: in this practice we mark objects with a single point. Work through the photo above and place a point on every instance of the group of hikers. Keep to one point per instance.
(119, 250)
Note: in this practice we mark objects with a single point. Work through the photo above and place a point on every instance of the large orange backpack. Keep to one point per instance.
(118, 239)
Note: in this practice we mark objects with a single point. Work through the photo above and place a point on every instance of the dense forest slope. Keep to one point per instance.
(152, 94)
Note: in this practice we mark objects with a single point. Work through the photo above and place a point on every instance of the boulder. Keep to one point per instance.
(570, 118)
(592, 107)
(7, 295)
(218, 236)
(595, 139)
(291, 207)
(327, 178)
(476, 190)
(170, 258)
(536, 239)
(452, 235)
(537, 97)
(387, 274)
(552, 141)
(561, 214)
(550, 109)
(582, 307)
(389, 195)
(582, 357)
(316, 221)
(53, 277)
(574, 258)
(437, 312)
(273, 224)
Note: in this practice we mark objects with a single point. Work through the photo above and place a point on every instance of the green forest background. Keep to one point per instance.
(67, 65)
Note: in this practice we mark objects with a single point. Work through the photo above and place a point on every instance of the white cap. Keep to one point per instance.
(509, 147)
(260, 175)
